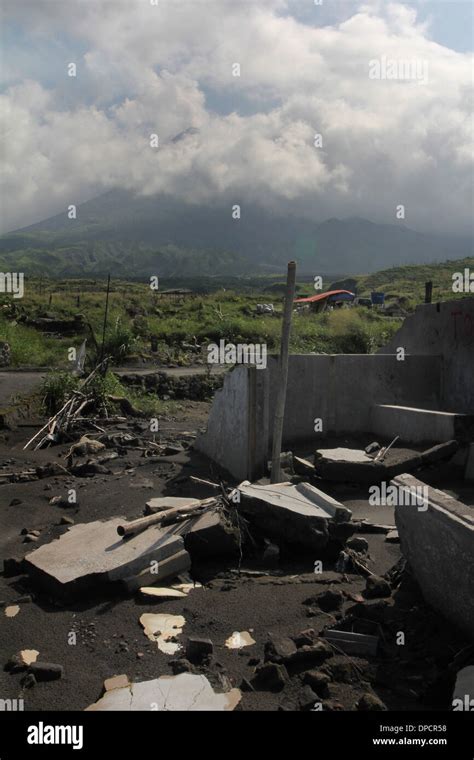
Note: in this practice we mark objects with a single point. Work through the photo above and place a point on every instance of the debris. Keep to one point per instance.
(318, 682)
(163, 629)
(12, 610)
(307, 698)
(383, 451)
(352, 643)
(370, 702)
(328, 600)
(117, 682)
(372, 447)
(270, 677)
(183, 692)
(293, 514)
(22, 660)
(164, 517)
(376, 587)
(89, 554)
(365, 526)
(162, 593)
(13, 566)
(392, 537)
(166, 568)
(239, 639)
(198, 649)
(437, 539)
(303, 467)
(46, 671)
(161, 503)
(84, 447)
(211, 535)
(358, 544)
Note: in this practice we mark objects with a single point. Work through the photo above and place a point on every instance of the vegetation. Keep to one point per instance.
(147, 325)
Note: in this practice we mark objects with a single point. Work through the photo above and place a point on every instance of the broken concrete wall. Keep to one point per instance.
(236, 434)
(341, 389)
(437, 539)
(446, 329)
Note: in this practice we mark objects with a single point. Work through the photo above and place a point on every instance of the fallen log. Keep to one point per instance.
(142, 523)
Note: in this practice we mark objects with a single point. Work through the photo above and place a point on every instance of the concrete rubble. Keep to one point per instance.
(437, 538)
(184, 692)
(295, 514)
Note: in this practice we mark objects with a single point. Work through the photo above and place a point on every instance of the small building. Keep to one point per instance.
(329, 300)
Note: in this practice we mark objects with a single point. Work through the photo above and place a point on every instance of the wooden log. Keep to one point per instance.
(136, 526)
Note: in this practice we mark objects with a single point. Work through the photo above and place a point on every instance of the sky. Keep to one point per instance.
(343, 108)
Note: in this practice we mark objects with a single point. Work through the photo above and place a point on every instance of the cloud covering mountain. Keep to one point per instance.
(167, 70)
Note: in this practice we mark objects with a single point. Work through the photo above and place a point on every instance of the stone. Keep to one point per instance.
(330, 600)
(183, 692)
(318, 682)
(307, 698)
(65, 520)
(270, 677)
(358, 544)
(370, 702)
(376, 587)
(279, 649)
(198, 649)
(117, 682)
(313, 654)
(15, 502)
(46, 671)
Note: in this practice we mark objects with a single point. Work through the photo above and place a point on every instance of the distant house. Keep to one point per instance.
(330, 299)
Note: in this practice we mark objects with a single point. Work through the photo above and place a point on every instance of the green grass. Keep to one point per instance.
(137, 313)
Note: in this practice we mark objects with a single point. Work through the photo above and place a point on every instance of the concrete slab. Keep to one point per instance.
(418, 425)
(294, 514)
(343, 455)
(91, 554)
(437, 539)
(184, 692)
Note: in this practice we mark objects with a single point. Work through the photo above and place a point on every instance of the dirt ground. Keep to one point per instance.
(110, 639)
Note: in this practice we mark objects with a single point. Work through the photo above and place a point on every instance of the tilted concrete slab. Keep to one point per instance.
(91, 554)
(437, 539)
(299, 514)
(184, 692)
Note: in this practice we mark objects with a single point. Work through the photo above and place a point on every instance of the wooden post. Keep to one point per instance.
(428, 292)
(105, 320)
(283, 372)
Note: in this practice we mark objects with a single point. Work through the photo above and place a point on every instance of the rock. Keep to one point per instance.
(342, 670)
(246, 685)
(172, 450)
(181, 665)
(372, 447)
(314, 654)
(30, 539)
(330, 600)
(370, 702)
(279, 649)
(65, 520)
(28, 681)
(305, 638)
(332, 705)
(307, 698)
(318, 682)
(15, 664)
(46, 671)
(15, 502)
(358, 544)
(270, 677)
(376, 587)
(198, 649)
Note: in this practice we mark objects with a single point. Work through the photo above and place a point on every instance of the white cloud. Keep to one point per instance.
(149, 69)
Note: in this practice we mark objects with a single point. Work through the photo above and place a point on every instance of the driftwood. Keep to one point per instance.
(165, 517)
